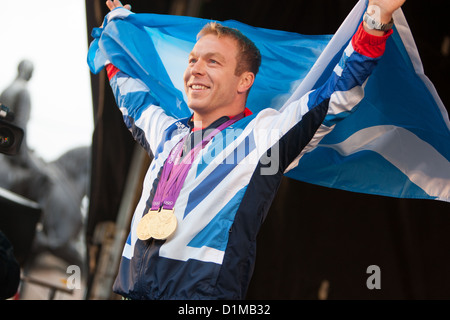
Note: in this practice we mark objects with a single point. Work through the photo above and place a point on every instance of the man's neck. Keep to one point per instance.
(199, 125)
(201, 121)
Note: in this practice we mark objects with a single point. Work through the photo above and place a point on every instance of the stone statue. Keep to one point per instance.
(58, 186)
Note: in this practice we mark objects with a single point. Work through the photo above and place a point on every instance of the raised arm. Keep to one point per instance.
(141, 110)
(380, 11)
(340, 94)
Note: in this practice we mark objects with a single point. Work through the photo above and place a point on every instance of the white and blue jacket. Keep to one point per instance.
(231, 184)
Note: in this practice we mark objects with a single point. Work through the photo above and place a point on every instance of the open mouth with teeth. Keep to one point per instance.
(198, 87)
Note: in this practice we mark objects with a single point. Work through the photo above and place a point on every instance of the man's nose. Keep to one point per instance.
(198, 67)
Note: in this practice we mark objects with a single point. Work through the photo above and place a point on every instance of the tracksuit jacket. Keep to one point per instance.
(231, 184)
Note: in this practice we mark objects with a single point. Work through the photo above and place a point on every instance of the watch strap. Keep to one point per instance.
(372, 23)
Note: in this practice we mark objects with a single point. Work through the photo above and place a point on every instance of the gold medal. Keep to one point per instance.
(163, 224)
(157, 224)
(143, 228)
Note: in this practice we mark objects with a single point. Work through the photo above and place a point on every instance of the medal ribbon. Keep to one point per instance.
(175, 169)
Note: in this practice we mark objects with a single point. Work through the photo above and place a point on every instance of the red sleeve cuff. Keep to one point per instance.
(369, 45)
(111, 70)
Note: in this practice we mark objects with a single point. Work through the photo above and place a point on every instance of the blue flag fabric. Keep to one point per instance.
(397, 143)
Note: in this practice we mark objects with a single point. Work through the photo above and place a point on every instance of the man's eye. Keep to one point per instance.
(213, 61)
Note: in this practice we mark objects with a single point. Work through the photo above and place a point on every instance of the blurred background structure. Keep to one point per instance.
(309, 249)
(40, 201)
(44, 187)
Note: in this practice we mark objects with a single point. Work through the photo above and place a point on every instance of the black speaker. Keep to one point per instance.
(18, 220)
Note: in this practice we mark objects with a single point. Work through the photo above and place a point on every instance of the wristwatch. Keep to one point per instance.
(377, 25)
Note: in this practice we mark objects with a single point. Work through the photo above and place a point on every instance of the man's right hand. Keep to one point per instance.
(112, 4)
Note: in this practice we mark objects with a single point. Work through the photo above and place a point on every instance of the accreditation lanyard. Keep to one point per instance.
(176, 169)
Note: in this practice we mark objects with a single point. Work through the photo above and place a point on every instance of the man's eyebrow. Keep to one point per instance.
(209, 55)
(216, 54)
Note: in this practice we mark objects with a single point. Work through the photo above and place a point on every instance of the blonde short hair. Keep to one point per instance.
(249, 58)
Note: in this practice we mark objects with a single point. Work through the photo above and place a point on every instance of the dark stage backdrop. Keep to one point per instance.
(320, 243)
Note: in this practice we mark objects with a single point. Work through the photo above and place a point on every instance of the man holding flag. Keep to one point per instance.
(216, 171)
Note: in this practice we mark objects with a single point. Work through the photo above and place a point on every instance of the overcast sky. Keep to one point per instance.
(52, 34)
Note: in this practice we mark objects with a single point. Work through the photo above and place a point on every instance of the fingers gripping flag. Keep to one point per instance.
(397, 142)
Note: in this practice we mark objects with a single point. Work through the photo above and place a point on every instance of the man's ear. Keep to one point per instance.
(246, 81)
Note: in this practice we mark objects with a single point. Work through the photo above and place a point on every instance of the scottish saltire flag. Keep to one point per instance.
(397, 142)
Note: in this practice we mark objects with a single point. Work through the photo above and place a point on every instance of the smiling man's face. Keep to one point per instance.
(211, 85)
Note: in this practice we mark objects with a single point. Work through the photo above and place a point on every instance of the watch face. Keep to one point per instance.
(373, 24)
